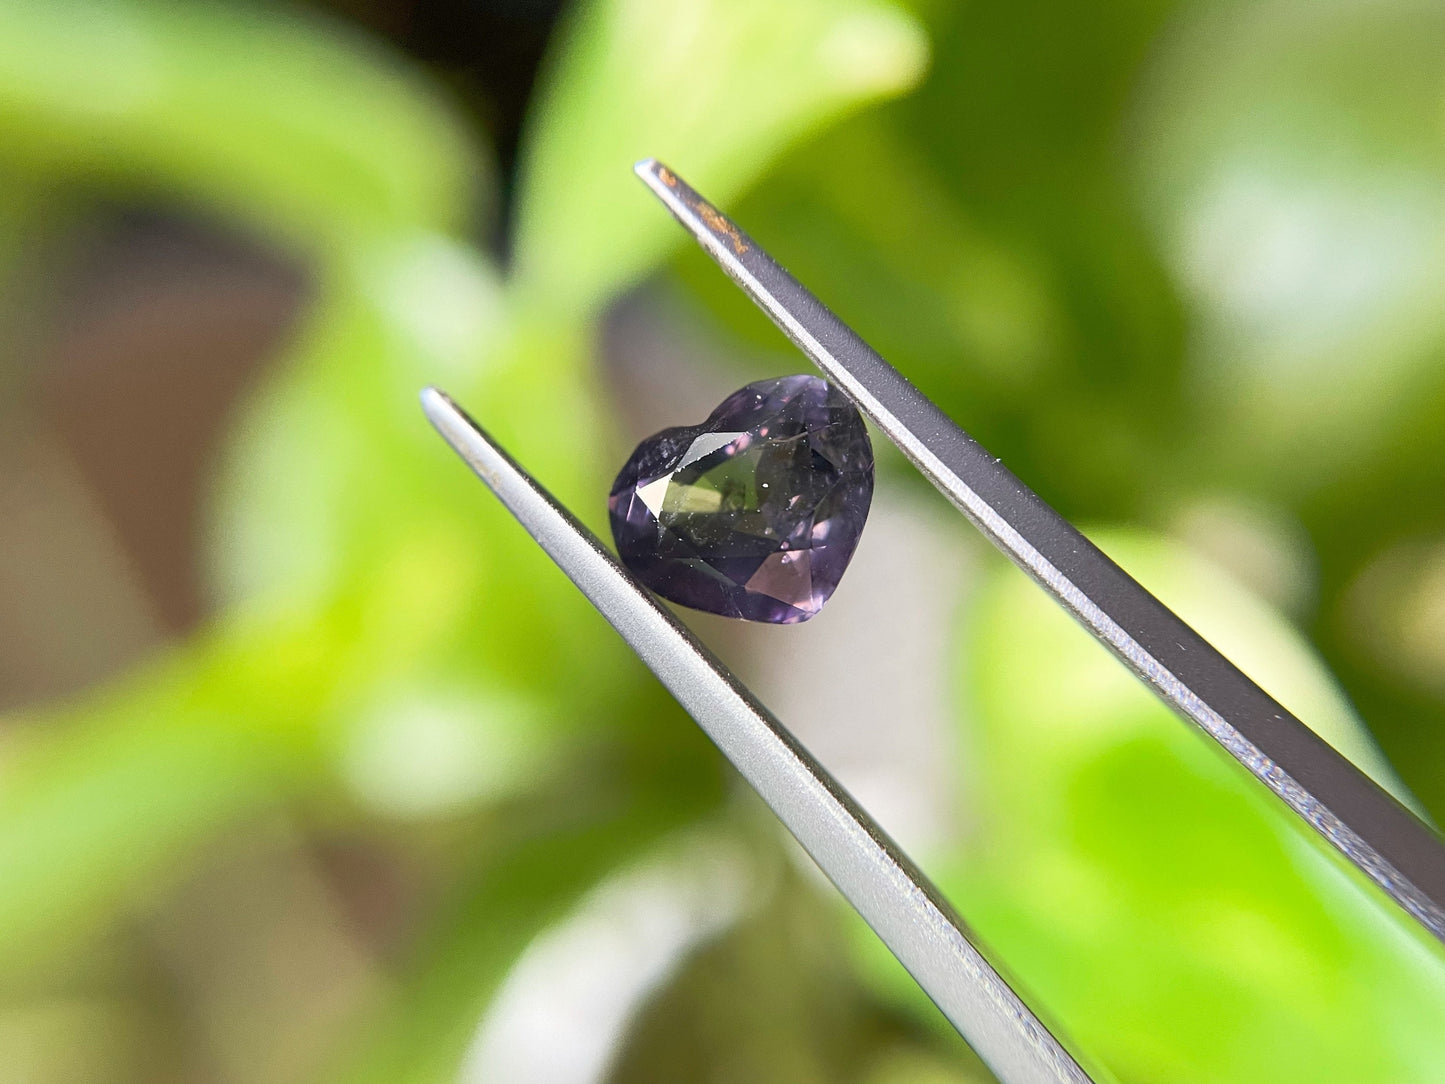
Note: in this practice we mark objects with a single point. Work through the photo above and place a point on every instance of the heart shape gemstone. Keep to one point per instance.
(756, 512)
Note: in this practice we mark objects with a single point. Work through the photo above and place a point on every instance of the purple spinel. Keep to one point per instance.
(756, 512)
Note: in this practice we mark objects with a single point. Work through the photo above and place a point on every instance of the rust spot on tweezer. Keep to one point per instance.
(718, 224)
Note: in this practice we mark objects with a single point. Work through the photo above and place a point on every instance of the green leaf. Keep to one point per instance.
(1157, 901)
(715, 89)
(104, 801)
(354, 549)
(282, 121)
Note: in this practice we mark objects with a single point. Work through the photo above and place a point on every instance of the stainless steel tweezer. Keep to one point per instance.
(1396, 851)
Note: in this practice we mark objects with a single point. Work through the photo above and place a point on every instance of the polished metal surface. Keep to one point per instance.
(1394, 849)
(897, 901)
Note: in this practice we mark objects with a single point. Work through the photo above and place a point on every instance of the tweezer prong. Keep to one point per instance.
(897, 901)
(1374, 833)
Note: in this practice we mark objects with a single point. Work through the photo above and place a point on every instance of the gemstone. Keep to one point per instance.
(756, 512)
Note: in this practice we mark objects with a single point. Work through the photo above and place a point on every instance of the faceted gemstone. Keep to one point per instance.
(756, 512)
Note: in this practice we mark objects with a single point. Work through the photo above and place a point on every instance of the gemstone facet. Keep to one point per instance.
(756, 512)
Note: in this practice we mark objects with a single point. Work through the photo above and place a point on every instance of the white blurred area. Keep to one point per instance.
(563, 1011)
(867, 684)
(1288, 154)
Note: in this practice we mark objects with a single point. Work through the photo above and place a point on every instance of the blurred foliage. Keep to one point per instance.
(1150, 255)
(1127, 870)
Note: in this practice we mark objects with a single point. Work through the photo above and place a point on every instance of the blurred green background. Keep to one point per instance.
(312, 768)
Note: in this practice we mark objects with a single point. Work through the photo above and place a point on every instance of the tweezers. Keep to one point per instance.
(1397, 853)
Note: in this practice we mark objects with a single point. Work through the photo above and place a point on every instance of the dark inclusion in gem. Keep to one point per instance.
(756, 512)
